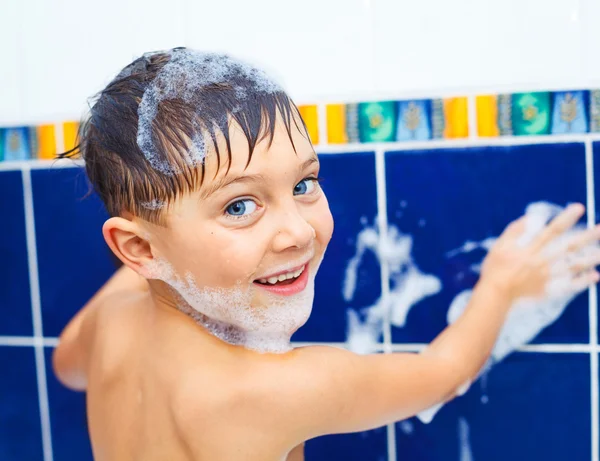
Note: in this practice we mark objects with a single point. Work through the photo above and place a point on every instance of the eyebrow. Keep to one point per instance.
(250, 178)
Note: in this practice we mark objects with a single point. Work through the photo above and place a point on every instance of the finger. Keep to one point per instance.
(559, 225)
(578, 263)
(584, 238)
(585, 280)
(514, 229)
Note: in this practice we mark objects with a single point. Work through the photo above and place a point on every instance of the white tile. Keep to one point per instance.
(11, 89)
(314, 47)
(588, 20)
(75, 48)
(468, 44)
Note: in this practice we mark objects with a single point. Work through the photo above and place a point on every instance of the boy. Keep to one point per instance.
(216, 213)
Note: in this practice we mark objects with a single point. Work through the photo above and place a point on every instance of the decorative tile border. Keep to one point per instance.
(518, 114)
(40, 142)
(537, 113)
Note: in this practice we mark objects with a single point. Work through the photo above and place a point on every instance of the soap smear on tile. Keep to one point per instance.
(527, 317)
(465, 453)
(409, 286)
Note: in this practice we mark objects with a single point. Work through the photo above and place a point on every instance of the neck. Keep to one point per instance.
(167, 300)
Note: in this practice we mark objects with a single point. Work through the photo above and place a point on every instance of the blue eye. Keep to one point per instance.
(306, 186)
(241, 208)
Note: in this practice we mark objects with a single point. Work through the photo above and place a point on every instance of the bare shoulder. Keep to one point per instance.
(235, 393)
(270, 393)
(119, 325)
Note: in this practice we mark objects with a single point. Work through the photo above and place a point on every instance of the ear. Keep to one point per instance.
(124, 237)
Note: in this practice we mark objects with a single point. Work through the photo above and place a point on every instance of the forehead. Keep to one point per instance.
(285, 148)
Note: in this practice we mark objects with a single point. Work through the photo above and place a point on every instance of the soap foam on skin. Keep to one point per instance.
(229, 313)
(186, 73)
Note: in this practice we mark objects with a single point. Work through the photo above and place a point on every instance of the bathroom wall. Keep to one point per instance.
(456, 171)
(57, 54)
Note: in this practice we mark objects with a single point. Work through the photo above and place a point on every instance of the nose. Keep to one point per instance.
(293, 231)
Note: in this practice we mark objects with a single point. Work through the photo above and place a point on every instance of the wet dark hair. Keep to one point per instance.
(117, 168)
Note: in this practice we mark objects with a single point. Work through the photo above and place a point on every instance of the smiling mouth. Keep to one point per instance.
(286, 278)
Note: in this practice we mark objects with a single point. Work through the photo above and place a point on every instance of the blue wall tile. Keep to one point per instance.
(70, 438)
(596, 159)
(20, 427)
(361, 446)
(73, 258)
(349, 183)
(538, 408)
(445, 197)
(15, 300)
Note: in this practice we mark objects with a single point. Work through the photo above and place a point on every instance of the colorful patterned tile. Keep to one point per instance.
(487, 116)
(46, 142)
(342, 123)
(595, 111)
(310, 116)
(456, 118)
(2, 137)
(531, 113)
(414, 120)
(17, 143)
(569, 114)
(70, 134)
(377, 121)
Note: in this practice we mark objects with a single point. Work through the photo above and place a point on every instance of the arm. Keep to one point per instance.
(336, 391)
(325, 390)
(70, 356)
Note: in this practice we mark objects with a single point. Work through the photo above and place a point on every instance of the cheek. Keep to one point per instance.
(237, 254)
(322, 222)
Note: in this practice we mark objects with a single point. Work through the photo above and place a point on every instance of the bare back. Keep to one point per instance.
(160, 388)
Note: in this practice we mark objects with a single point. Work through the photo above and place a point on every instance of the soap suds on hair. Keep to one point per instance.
(183, 78)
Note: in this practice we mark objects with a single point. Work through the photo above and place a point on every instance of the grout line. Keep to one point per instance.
(442, 92)
(50, 341)
(535, 348)
(382, 225)
(322, 124)
(39, 164)
(593, 306)
(36, 313)
(433, 144)
(59, 133)
(472, 117)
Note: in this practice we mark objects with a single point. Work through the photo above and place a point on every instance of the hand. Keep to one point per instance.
(555, 262)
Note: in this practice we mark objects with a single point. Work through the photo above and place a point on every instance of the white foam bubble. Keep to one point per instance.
(186, 73)
(232, 315)
(406, 427)
(154, 205)
(462, 390)
(426, 416)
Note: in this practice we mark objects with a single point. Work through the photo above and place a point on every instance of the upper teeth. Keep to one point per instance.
(282, 277)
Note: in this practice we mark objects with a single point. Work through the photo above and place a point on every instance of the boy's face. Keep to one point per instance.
(250, 224)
